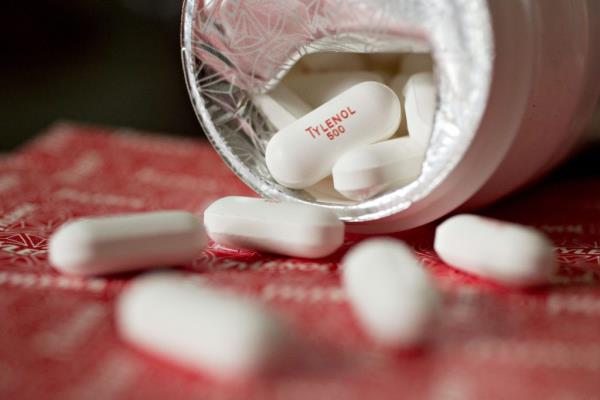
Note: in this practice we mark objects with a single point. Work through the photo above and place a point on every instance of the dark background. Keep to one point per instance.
(111, 62)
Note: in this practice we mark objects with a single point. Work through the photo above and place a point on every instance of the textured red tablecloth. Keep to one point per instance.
(57, 336)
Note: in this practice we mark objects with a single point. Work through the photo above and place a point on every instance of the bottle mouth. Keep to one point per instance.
(226, 66)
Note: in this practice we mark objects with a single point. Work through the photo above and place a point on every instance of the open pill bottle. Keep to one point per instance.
(516, 84)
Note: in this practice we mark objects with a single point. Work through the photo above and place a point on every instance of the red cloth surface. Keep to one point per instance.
(57, 335)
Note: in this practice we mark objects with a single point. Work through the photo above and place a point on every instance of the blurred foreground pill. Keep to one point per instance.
(508, 253)
(318, 88)
(292, 229)
(419, 105)
(366, 171)
(106, 245)
(390, 293)
(197, 327)
(304, 152)
(281, 106)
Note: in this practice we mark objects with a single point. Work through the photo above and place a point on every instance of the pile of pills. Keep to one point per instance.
(348, 125)
(181, 319)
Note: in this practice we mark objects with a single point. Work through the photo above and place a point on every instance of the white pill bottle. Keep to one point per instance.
(517, 82)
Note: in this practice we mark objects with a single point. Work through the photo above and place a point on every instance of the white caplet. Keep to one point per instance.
(419, 105)
(390, 293)
(281, 106)
(292, 229)
(366, 171)
(303, 153)
(508, 253)
(105, 245)
(204, 329)
(318, 88)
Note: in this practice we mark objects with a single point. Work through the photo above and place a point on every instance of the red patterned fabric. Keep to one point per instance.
(57, 336)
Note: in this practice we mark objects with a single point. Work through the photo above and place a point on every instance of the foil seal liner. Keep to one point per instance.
(234, 49)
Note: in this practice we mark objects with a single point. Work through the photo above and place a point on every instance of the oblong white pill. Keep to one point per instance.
(318, 88)
(419, 105)
(389, 292)
(366, 171)
(303, 153)
(508, 253)
(103, 245)
(293, 229)
(204, 329)
(281, 106)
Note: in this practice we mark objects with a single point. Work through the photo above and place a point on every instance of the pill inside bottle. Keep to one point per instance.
(304, 152)
(359, 105)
